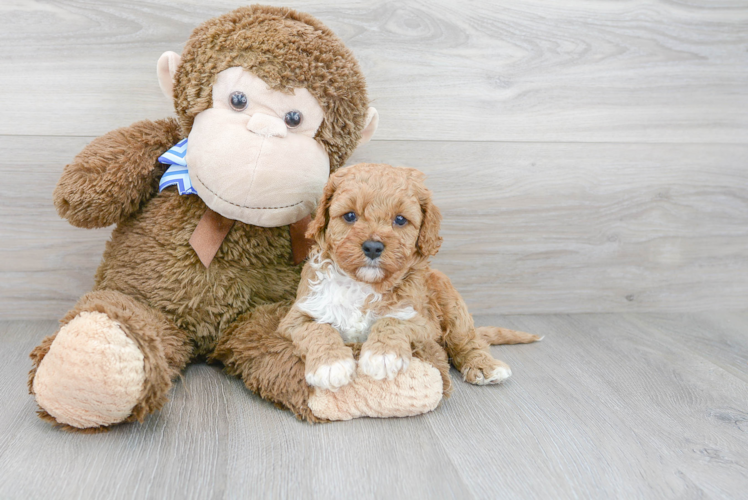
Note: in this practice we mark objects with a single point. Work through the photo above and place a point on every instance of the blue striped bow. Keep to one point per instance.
(176, 174)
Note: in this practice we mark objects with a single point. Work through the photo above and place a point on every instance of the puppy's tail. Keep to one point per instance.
(495, 335)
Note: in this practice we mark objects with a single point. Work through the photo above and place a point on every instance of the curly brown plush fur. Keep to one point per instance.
(150, 274)
(155, 306)
(115, 174)
(151, 284)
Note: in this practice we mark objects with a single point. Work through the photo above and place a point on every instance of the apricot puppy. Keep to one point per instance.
(369, 281)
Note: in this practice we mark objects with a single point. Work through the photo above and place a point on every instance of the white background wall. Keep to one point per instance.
(587, 155)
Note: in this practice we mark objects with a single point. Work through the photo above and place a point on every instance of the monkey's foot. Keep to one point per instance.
(93, 374)
(419, 390)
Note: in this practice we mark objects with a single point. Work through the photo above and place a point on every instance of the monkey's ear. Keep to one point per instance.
(429, 240)
(372, 120)
(316, 228)
(166, 68)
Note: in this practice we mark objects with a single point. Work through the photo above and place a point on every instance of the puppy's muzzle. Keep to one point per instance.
(373, 249)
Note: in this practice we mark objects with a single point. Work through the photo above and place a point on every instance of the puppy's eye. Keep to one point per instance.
(350, 217)
(293, 119)
(400, 220)
(238, 101)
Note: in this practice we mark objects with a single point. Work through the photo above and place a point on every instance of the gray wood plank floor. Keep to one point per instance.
(608, 405)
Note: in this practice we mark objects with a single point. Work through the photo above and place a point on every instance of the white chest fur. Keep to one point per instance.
(346, 304)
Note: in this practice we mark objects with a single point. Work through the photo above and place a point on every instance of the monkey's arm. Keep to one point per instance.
(114, 174)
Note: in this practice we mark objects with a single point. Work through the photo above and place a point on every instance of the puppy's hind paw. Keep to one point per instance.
(333, 376)
(380, 366)
(486, 375)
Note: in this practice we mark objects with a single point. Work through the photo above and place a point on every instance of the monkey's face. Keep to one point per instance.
(252, 156)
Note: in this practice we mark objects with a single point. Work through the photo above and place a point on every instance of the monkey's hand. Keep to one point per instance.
(115, 174)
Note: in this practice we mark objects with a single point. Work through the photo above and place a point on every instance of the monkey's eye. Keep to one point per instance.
(238, 101)
(400, 220)
(293, 119)
(350, 217)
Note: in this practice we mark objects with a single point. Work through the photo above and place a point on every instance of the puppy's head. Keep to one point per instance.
(376, 222)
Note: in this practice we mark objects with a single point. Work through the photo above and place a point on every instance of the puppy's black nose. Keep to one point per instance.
(373, 249)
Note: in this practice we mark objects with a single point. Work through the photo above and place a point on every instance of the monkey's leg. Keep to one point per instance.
(418, 390)
(268, 363)
(112, 361)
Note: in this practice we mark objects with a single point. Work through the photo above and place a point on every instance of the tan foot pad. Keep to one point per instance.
(93, 374)
(419, 390)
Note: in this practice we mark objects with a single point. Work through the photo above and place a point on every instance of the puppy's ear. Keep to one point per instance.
(415, 176)
(318, 225)
(429, 240)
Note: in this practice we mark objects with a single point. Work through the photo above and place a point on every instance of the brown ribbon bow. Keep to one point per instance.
(213, 228)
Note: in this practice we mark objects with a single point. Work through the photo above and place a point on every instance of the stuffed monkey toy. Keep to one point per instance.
(210, 211)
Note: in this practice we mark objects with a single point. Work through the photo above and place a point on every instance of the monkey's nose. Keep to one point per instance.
(373, 249)
(267, 126)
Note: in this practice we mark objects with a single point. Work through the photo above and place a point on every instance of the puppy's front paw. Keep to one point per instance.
(379, 366)
(485, 372)
(334, 375)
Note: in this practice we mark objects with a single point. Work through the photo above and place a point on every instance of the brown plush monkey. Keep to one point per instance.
(271, 102)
